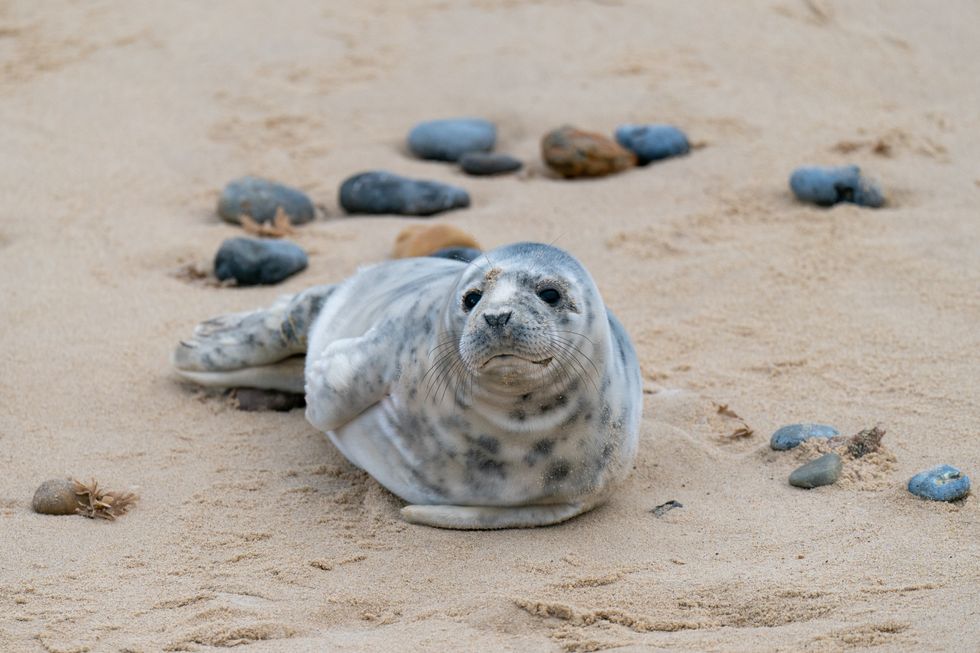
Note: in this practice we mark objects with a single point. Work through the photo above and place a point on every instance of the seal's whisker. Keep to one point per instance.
(576, 333)
(572, 345)
(438, 367)
(437, 380)
(572, 358)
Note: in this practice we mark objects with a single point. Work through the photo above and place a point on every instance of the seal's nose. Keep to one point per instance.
(497, 320)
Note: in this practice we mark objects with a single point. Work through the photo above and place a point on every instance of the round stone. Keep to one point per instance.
(260, 199)
(485, 163)
(449, 139)
(56, 497)
(822, 471)
(572, 153)
(793, 435)
(379, 192)
(652, 142)
(941, 483)
(464, 254)
(826, 186)
(253, 261)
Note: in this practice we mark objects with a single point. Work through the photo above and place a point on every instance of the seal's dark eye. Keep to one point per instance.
(549, 296)
(471, 299)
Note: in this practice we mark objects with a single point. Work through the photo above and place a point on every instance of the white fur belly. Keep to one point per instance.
(371, 442)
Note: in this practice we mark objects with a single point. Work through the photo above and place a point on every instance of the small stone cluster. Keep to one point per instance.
(941, 483)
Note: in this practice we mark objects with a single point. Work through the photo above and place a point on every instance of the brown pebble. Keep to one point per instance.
(56, 497)
(572, 152)
(423, 240)
(255, 400)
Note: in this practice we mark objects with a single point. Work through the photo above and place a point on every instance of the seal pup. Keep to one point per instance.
(500, 393)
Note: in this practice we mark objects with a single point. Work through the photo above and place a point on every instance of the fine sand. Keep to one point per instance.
(121, 122)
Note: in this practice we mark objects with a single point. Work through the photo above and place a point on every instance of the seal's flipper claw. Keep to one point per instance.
(491, 517)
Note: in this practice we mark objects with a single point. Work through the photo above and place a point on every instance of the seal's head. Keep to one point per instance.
(526, 314)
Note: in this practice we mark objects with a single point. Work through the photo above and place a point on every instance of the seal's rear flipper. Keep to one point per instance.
(255, 349)
(286, 376)
(491, 517)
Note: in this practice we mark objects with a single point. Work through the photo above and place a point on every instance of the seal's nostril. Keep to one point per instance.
(497, 320)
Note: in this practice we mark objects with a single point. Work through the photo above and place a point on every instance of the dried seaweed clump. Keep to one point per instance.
(280, 226)
(865, 442)
(66, 496)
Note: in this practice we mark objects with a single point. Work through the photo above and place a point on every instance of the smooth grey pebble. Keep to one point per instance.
(788, 437)
(380, 192)
(451, 138)
(253, 261)
(486, 163)
(260, 198)
(652, 142)
(822, 471)
(256, 400)
(826, 186)
(941, 483)
(464, 254)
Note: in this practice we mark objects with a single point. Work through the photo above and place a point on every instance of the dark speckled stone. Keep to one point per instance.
(381, 192)
(252, 261)
(942, 483)
(260, 198)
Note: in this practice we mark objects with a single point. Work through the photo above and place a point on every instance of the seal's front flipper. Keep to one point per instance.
(491, 517)
(253, 349)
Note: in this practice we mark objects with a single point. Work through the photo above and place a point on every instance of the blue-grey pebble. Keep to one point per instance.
(826, 186)
(381, 192)
(821, 471)
(788, 437)
(451, 138)
(260, 198)
(464, 254)
(488, 163)
(652, 142)
(253, 261)
(941, 483)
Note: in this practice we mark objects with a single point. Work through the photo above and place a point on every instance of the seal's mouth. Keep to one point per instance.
(510, 359)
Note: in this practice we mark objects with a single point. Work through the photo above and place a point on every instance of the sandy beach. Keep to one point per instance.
(121, 122)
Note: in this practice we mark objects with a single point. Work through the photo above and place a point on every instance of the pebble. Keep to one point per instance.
(380, 192)
(424, 240)
(260, 198)
(449, 139)
(487, 163)
(252, 261)
(464, 254)
(822, 471)
(652, 142)
(941, 483)
(826, 186)
(572, 152)
(255, 400)
(793, 435)
(56, 497)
